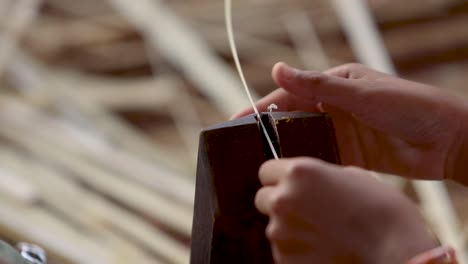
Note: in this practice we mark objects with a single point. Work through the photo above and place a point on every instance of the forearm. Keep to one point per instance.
(407, 236)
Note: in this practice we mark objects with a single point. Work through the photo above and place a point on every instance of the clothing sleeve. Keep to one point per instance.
(440, 255)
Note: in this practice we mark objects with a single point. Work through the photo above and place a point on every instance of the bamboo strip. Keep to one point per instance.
(187, 120)
(95, 211)
(169, 214)
(163, 29)
(17, 187)
(256, 49)
(306, 40)
(363, 35)
(32, 78)
(34, 224)
(22, 14)
(79, 142)
(152, 93)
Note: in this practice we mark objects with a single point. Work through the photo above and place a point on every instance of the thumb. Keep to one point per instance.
(346, 94)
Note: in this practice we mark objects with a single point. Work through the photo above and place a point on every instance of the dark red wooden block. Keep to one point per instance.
(227, 228)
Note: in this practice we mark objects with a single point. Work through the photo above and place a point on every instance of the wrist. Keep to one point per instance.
(407, 236)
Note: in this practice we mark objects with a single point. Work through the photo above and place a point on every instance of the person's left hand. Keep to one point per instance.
(325, 213)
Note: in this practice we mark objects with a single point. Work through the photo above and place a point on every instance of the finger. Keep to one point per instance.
(352, 71)
(346, 94)
(263, 199)
(278, 97)
(285, 101)
(348, 137)
(271, 171)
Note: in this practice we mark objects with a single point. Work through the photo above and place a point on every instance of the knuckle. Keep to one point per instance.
(257, 200)
(353, 66)
(352, 169)
(280, 204)
(312, 78)
(354, 70)
(275, 232)
(265, 167)
(298, 169)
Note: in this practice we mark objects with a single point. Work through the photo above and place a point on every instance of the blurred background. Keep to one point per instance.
(101, 103)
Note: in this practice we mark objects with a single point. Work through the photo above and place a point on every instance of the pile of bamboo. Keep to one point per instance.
(101, 103)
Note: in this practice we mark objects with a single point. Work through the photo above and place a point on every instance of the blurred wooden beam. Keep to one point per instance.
(36, 79)
(161, 209)
(20, 17)
(100, 215)
(82, 143)
(185, 50)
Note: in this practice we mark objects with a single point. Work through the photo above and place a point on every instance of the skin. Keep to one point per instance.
(325, 213)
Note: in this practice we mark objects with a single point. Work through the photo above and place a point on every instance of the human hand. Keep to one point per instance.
(382, 122)
(325, 213)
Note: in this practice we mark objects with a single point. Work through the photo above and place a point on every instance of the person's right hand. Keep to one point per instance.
(382, 122)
